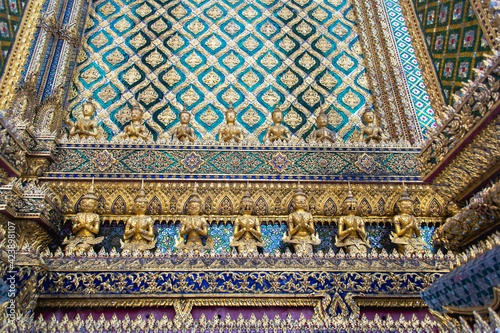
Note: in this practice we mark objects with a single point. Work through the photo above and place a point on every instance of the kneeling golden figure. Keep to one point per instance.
(247, 234)
(301, 231)
(407, 230)
(139, 233)
(85, 225)
(352, 233)
(194, 227)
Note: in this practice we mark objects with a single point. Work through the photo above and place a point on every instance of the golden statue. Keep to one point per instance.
(139, 234)
(85, 225)
(247, 234)
(352, 233)
(407, 230)
(136, 129)
(323, 133)
(301, 225)
(184, 131)
(87, 126)
(195, 227)
(371, 131)
(277, 131)
(230, 130)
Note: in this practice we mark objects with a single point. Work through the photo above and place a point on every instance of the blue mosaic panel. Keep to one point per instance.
(415, 84)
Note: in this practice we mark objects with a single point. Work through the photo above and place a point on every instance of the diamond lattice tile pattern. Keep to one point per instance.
(207, 54)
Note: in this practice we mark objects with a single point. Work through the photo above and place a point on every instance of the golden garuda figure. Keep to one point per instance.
(139, 234)
(247, 234)
(136, 129)
(371, 132)
(277, 131)
(230, 130)
(85, 225)
(301, 231)
(407, 229)
(194, 227)
(86, 127)
(352, 233)
(323, 133)
(184, 132)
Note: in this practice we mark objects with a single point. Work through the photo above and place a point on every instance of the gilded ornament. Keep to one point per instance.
(213, 43)
(247, 236)
(194, 227)
(251, 117)
(87, 126)
(320, 14)
(352, 233)
(132, 76)
(100, 40)
(328, 81)
(211, 79)
(90, 75)
(251, 43)
(250, 78)
(351, 99)
(287, 44)
(148, 95)
(136, 129)
(323, 133)
(271, 97)
(154, 58)
(285, 13)
(230, 131)
(195, 27)
(138, 41)
(167, 116)
(143, 10)
(311, 97)
(107, 94)
(345, 62)
(171, 77)
(175, 42)
(371, 132)
(268, 29)
(85, 225)
(190, 96)
(323, 44)
(250, 13)
(209, 117)
(304, 28)
(293, 118)
(269, 61)
(184, 132)
(230, 95)
(194, 59)
(277, 131)
(159, 26)
(179, 12)
(307, 61)
(407, 235)
(107, 9)
(289, 79)
(231, 60)
(214, 13)
(232, 28)
(123, 115)
(122, 25)
(115, 57)
(139, 235)
(340, 30)
(301, 232)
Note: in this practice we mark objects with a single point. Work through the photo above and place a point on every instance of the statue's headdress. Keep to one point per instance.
(141, 197)
(404, 194)
(90, 102)
(299, 191)
(230, 108)
(90, 194)
(246, 196)
(350, 197)
(184, 110)
(195, 197)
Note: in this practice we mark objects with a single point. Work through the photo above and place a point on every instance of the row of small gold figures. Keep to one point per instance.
(247, 236)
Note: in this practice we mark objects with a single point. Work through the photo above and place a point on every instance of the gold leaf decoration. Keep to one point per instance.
(122, 25)
(250, 13)
(320, 14)
(232, 28)
(175, 42)
(214, 13)
(107, 9)
(154, 58)
(251, 43)
(196, 27)
(287, 44)
(148, 95)
(292, 118)
(269, 61)
(167, 116)
(132, 76)
(107, 94)
(289, 79)
(213, 43)
(179, 12)
(304, 28)
(190, 96)
(251, 117)
(90, 75)
(138, 41)
(285, 13)
(307, 61)
(123, 115)
(328, 81)
(271, 97)
(211, 79)
(171, 77)
(250, 78)
(311, 97)
(194, 60)
(159, 26)
(209, 117)
(144, 10)
(268, 29)
(100, 40)
(340, 30)
(231, 61)
(351, 99)
(230, 96)
(115, 57)
(345, 62)
(323, 44)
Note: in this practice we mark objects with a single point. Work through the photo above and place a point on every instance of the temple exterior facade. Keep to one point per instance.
(249, 166)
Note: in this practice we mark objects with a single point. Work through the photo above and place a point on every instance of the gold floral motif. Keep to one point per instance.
(268, 29)
(190, 96)
(209, 117)
(285, 13)
(231, 28)
(132, 76)
(356, 48)
(193, 59)
(289, 79)
(270, 97)
(100, 40)
(107, 94)
(311, 97)
(171, 77)
(328, 80)
(230, 96)
(115, 57)
(179, 12)
(143, 10)
(351, 99)
(301, 2)
(213, 43)
(363, 81)
(269, 61)
(211, 79)
(148, 96)
(340, 30)
(175, 42)
(159, 26)
(251, 117)
(249, 13)
(345, 62)
(319, 14)
(82, 56)
(107, 9)
(231, 61)
(292, 118)
(214, 13)
(250, 78)
(167, 116)
(90, 75)
(350, 16)
(304, 28)
(287, 44)
(307, 61)
(122, 25)
(323, 44)
(154, 58)
(196, 27)
(251, 43)
(138, 41)
(123, 115)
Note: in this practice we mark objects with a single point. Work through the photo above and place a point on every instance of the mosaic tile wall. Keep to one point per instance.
(379, 237)
(455, 40)
(256, 54)
(407, 58)
(11, 12)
